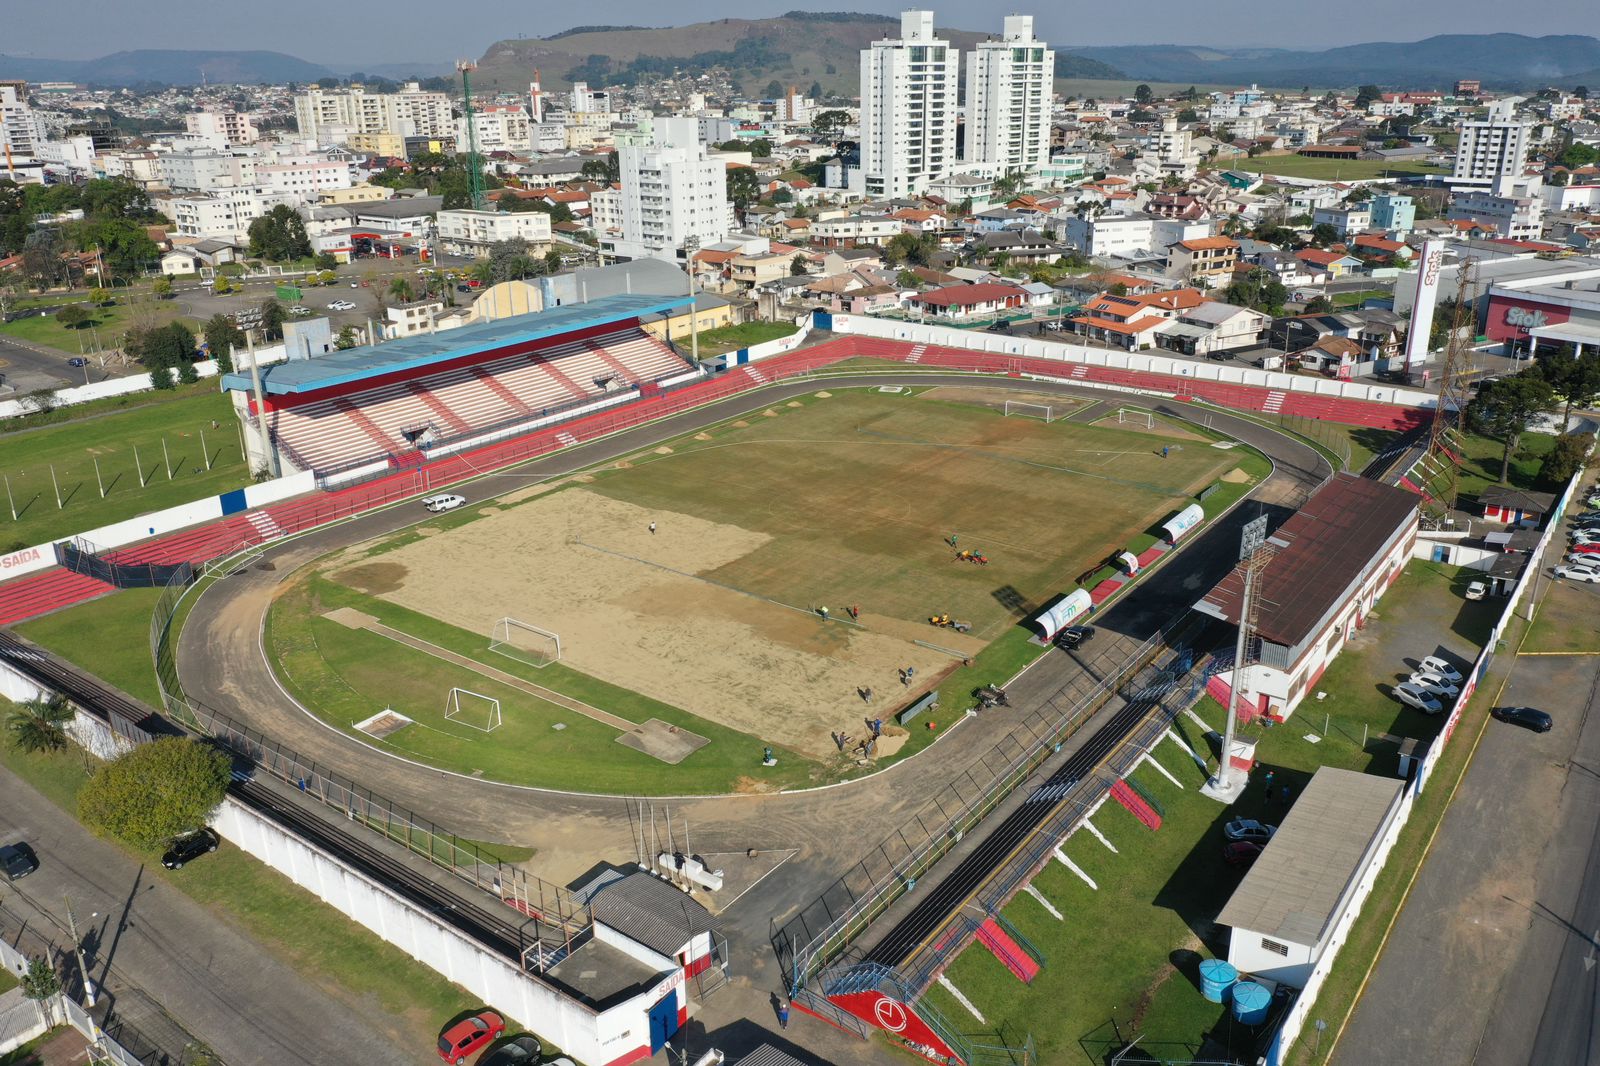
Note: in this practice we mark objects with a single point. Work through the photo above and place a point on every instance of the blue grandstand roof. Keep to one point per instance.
(377, 360)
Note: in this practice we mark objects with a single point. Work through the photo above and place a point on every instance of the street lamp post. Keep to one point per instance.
(691, 245)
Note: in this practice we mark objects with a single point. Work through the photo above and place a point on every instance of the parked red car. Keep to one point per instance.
(1584, 549)
(470, 1035)
(1240, 853)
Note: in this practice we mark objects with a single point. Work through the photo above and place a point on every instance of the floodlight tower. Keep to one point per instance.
(1254, 554)
(1440, 468)
(474, 161)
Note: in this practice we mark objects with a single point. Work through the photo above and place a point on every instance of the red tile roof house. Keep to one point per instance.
(1337, 264)
(970, 301)
(1130, 321)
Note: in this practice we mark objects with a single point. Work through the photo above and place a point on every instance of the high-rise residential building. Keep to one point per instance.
(1009, 83)
(1493, 147)
(331, 116)
(671, 191)
(908, 108)
(226, 127)
(19, 134)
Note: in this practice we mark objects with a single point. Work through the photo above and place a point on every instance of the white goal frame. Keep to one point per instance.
(1023, 409)
(1147, 419)
(453, 709)
(500, 640)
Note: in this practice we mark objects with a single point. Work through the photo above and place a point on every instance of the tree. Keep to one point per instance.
(220, 285)
(607, 169)
(1259, 290)
(161, 378)
(1577, 154)
(1366, 95)
(73, 316)
(1566, 458)
(1576, 382)
(907, 279)
(509, 259)
(1504, 409)
(1324, 234)
(815, 92)
(272, 318)
(326, 261)
(1581, 92)
(829, 123)
(1188, 114)
(40, 724)
(279, 235)
(1143, 95)
(40, 984)
(162, 287)
(155, 792)
(742, 189)
(797, 265)
(346, 339)
(917, 249)
(1319, 305)
(774, 89)
(221, 336)
(400, 289)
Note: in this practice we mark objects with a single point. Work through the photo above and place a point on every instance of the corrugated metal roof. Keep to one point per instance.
(377, 360)
(651, 911)
(767, 1055)
(1326, 546)
(1293, 889)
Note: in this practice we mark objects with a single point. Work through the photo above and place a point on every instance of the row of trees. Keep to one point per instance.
(1506, 408)
(115, 214)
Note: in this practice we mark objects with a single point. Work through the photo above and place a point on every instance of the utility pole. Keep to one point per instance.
(267, 459)
(691, 245)
(77, 949)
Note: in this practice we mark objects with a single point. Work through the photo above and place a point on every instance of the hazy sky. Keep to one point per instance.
(346, 34)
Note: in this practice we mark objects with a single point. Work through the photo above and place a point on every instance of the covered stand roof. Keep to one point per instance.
(649, 910)
(378, 360)
(1324, 548)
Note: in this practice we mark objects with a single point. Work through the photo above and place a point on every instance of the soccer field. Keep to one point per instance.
(691, 578)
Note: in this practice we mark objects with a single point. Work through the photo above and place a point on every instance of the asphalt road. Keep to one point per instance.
(225, 987)
(1493, 960)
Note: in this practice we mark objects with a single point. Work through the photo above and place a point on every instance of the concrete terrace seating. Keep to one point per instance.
(375, 421)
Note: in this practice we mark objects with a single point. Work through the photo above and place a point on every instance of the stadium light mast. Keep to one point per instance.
(691, 245)
(474, 161)
(1252, 556)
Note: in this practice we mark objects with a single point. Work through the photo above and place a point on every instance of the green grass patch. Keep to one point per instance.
(1481, 458)
(106, 325)
(1299, 166)
(1356, 299)
(64, 458)
(744, 335)
(7, 982)
(400, 996)
(109, 637)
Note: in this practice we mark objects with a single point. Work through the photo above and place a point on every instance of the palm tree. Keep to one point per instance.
(40, 724)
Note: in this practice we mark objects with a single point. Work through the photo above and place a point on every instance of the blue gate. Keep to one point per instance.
(663, 1021)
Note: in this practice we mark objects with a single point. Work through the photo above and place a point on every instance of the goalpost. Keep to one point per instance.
(1029, 410)
(525, 642)
(478, 711)
(1147, 419)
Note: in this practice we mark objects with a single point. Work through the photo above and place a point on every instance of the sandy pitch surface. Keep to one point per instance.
(781, 675)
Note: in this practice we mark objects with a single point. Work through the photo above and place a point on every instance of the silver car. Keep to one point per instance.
(1419, 698)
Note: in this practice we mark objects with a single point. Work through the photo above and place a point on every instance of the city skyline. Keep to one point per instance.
(348, 37)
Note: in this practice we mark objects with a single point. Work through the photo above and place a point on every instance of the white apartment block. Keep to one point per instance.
(671, 191)
(225, 214)
(303, 178)
(605, 211)
(226, 127)
(1493, 147)
(469, 232)
(329, 116)
(1519, 218)
(501, 128)
(203, 171)
(1008, 100)
(20, 135)
(908, 108)
(1109, 235)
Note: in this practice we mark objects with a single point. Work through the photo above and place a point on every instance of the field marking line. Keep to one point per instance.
(1031, 890)
(789, 853)
(945, 983)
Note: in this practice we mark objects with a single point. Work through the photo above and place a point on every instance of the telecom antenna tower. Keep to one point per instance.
(1440, 469)
(480, 201)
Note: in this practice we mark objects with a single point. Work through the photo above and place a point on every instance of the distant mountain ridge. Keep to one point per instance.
(168, 67)
(1499, 60)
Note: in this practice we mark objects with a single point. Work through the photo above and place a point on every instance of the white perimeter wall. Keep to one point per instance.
(122, 386)
(1195, 370)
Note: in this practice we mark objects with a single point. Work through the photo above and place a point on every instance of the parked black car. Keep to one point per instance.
(189, 847)
(18, 860)
(1527, 717)
(1072, 636)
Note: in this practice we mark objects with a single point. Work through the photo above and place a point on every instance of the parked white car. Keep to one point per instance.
(1419, 698)
(1477, 590)
(446, 502)
(1435, 684)
(1579, 572)
(1435, 665)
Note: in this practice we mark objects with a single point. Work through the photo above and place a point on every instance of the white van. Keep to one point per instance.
(443, 503)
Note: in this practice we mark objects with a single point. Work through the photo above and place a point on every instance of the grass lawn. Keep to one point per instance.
(1130, 949)
(107, 324)
(7, 982)
(1299, 166)
(892, 478)
(1565, 621)
(732, 338)
(38, 462)
(399, 996)
(1480, 463)
(1356, 299)
(109, 637)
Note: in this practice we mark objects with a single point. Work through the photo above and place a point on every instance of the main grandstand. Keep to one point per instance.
(349, 414)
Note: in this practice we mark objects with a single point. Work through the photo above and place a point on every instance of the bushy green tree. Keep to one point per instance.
(1504, 409)
(40, 724)
(222, 335)
(279, 235)
(1568, 456)
(155, 792)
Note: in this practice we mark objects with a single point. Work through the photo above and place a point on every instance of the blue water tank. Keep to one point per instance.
(1250, 1003)
(1216, 977)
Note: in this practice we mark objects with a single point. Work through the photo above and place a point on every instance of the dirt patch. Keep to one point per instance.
(702, 436)
(824, 395)
(749, 785)
(538, 490)
(793, 403)
(1236, 476)
(769, 413)
(741, 424)
(428, 531)
(662, 741)
(374, 579)
(486, 511)
(632, 610)
(663, 450)
(623, 464)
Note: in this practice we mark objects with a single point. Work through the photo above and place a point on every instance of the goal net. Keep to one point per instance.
(1030, 410)
(473, 708)
(525, 642)
(1138, 418)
